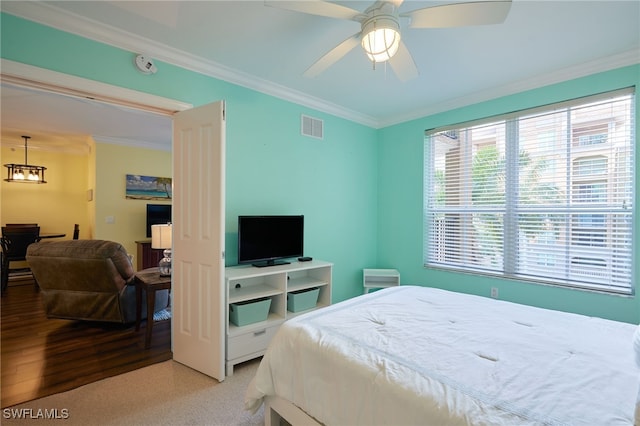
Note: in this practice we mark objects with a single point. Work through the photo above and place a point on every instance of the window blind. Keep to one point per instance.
(543, 195)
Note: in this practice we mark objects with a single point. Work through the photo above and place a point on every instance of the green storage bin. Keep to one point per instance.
(301, 300)
(250, 311)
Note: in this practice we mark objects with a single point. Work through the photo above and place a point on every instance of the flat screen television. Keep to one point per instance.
(157, 214)
(268, 240)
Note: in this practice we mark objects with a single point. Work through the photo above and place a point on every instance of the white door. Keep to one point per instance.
(198, 327)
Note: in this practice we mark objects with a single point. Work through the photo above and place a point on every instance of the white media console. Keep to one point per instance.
(246, 284)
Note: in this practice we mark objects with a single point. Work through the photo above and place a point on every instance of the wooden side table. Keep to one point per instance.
(146, 256)
(151, 281)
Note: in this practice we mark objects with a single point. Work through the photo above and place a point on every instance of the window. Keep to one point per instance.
(590, 135)
(542, 195)
(590, 166)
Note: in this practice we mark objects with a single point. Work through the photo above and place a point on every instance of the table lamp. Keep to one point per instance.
(161, 239)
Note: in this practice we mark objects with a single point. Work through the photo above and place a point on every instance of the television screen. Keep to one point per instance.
(266, 240)
(157, 214)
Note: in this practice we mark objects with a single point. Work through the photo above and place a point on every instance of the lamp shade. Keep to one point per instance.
(161, 236)
(381, 38)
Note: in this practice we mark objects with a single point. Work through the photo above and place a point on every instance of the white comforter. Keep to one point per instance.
(415, 355)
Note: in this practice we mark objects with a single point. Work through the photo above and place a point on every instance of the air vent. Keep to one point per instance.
(312, 127)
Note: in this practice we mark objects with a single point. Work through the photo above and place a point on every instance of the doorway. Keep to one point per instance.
(24, 85)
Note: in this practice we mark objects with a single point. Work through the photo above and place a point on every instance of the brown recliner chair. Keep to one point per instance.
(89, 280)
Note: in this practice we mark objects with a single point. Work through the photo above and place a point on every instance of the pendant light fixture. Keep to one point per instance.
(25, 173)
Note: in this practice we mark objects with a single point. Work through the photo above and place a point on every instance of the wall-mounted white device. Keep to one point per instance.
(145, 64)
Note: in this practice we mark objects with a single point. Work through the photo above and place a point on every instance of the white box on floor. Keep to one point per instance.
(380, 278)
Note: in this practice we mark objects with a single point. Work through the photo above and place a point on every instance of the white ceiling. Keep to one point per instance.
(268, 49)
(67, 123)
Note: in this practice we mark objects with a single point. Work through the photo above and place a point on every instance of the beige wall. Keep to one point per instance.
(57, 205)
(113, 163)
(72, 180)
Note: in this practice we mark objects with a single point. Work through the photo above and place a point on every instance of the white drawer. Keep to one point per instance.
(251, 342)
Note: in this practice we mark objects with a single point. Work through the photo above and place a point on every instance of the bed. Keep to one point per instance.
(417, 355)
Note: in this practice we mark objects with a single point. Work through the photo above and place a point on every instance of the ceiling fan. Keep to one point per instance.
(379, 33)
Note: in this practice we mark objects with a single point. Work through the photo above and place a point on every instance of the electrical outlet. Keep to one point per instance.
(494, 292)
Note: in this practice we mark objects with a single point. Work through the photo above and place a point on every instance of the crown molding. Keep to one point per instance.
(51, 16)
(47, 142)
(25, 75)
(72, 144)
(132, 143)
(631, 57)
(43, 79)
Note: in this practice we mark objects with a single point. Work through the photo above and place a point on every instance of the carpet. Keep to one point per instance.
(167, 393)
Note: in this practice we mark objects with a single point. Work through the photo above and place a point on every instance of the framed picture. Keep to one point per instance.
(148, 187)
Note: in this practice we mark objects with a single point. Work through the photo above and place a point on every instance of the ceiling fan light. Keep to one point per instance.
(381, 38)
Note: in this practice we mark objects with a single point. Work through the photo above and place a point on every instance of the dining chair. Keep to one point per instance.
(14, 242)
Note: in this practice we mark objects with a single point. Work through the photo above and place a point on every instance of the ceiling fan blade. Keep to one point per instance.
(333, 56)
(320, 8)
(403, 65)
(460, 14)
(396, 3)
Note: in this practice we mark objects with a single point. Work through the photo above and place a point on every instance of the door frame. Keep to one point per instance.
(33, 77)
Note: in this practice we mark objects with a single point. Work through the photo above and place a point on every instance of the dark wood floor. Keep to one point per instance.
(43, 356)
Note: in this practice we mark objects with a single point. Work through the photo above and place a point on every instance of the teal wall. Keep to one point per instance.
(400, 184)
(270, 169)
(360, 189)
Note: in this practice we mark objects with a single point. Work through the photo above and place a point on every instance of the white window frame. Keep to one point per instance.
(585, 264)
